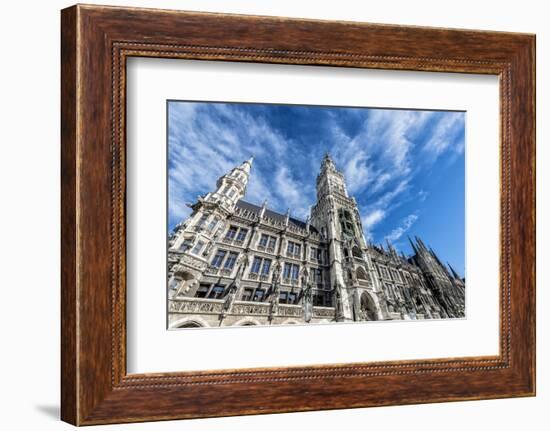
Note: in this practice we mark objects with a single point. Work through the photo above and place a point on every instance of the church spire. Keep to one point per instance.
(415, 250)
(455, 274)
(247, 165)
(231, 187)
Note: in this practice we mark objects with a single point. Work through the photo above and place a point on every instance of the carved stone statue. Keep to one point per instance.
(276, 272)
(274, 308)
(242, 264)
(308, 302)
(230, 296)
(305, 276)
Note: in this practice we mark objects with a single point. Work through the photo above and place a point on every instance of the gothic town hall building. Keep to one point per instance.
(233, 263)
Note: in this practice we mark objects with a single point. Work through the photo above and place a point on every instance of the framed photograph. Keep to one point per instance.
(322, 214)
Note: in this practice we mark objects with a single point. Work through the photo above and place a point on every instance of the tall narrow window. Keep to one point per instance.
(198, 247)
(272, 242)
(231, 259)
(202, 220)
(218, 258)
(295, 272)
(186, 244)
(290, 248)
(266, 266)
(242, 234)
(263, 240)
(287, 270)
(231, 232)
(313, 253)
(213, 223)
(256, 265)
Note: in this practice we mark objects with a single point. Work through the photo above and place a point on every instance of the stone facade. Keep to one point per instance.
(233, 263)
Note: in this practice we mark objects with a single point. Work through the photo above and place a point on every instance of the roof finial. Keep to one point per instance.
(264, 207)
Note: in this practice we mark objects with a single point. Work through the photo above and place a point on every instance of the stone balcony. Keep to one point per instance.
(189, 262)
(194, 306)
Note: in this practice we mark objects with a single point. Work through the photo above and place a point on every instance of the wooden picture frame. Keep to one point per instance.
(95, 43)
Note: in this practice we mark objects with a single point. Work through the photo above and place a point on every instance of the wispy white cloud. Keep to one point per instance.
(444, 134)
(405, 225)
(290, 191)
(208, 140)
(380, 152)
(370, 220)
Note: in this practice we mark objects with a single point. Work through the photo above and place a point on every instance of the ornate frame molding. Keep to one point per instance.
(96, 41)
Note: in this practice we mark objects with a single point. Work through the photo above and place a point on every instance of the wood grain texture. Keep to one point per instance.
(96, 41)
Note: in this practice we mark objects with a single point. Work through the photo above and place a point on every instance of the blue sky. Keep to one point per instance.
(404, 167)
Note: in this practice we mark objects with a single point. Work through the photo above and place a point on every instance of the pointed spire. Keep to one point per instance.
(412, 244)
(247, 164)
(455, 274)
(287, 217)
(421, 244)
(264, 207)
(327, 162)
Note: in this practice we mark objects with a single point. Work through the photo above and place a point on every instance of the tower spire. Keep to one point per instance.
(247, 165)
(455, 274)
(415, 250)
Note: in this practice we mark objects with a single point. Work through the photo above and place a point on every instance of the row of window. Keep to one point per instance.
(251, 294)
(239, 235)
(261, 265)
(395, 275)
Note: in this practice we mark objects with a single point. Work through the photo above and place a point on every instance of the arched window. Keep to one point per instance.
(356, 251)
(249, 323)
(362, 274)
(190, 324)
(368, 308)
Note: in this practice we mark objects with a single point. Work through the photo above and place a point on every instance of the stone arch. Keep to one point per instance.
(291, 322)
(247, 321)
(189, 322)
(368, 307)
